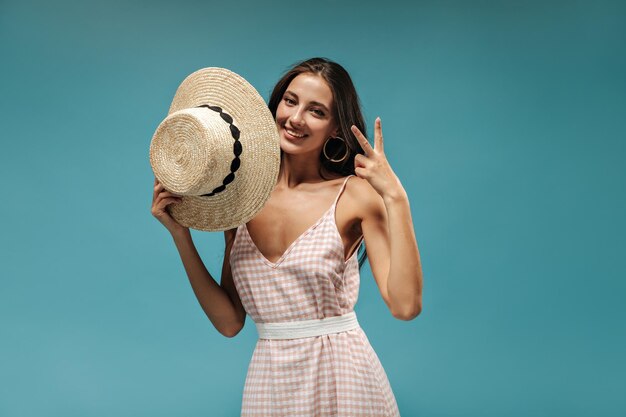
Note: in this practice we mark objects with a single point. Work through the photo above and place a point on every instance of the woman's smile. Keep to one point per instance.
(303, 115)
(293, 134)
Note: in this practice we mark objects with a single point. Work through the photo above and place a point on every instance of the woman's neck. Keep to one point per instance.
(298, 169)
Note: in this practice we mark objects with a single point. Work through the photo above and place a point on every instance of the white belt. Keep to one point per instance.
(308, 328)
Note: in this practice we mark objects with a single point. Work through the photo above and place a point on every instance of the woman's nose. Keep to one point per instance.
(296, 118)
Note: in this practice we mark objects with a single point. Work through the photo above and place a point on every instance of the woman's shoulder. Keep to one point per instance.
(363, 196)
(360, 187)
(354, 186)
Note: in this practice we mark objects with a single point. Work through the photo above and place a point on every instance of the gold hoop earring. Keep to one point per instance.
(336, 160)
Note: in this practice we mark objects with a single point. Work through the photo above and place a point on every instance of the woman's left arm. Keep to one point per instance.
(403, 284)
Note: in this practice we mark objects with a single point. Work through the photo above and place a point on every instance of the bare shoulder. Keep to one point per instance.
(367, 201)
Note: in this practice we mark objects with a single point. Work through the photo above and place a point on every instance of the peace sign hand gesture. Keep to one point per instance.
(373, 166)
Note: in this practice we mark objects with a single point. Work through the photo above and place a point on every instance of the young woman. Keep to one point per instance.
(294, 263)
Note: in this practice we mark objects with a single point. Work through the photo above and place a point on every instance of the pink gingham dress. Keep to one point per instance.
(330, 375)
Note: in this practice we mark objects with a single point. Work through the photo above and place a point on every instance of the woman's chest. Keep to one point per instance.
(287, 218)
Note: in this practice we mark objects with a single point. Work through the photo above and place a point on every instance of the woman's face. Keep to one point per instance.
(303, 116)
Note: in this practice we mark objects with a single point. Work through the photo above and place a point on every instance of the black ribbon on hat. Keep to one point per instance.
(237, 150)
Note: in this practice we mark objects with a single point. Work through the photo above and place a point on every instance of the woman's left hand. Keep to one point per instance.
(373, 166)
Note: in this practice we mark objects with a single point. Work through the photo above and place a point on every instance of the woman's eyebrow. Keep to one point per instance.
(313, 102)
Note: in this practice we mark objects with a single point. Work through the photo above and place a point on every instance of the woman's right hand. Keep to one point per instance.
(160, 200)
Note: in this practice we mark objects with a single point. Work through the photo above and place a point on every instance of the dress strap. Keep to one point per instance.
(343, 186)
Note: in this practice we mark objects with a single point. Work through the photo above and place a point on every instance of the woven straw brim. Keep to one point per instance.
(260, 160)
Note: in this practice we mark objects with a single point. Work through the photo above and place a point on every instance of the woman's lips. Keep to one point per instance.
(293, 136)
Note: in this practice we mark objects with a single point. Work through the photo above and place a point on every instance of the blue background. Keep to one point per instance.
(505, 121)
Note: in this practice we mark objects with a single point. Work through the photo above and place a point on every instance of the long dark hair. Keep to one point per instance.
(346, 112)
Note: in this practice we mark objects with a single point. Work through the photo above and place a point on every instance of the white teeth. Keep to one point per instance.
(292, 133)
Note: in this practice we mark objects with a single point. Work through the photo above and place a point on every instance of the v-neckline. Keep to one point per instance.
(282, 257)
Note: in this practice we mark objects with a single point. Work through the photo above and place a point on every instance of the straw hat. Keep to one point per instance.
(218, 148)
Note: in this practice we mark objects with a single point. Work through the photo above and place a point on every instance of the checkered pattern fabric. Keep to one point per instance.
(329, 375)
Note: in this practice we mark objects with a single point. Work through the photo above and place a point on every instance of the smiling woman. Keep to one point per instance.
(322, 90)
(293, 267)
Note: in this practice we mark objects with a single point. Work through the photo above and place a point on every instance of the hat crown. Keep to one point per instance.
(234, 146)
(192, 151)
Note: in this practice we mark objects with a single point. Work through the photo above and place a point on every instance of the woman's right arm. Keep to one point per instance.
(220, 303)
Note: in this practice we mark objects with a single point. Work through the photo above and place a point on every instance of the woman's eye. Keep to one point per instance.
(289, 101)
(318, 112)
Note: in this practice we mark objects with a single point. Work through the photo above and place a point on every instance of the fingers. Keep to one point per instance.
(365, 145)
(155, 190)
(360, 160)
(160, 188)
(378, 135)
(160, 195)
(362, 166)
(162, 198)
(164, 202)
(166, 194)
